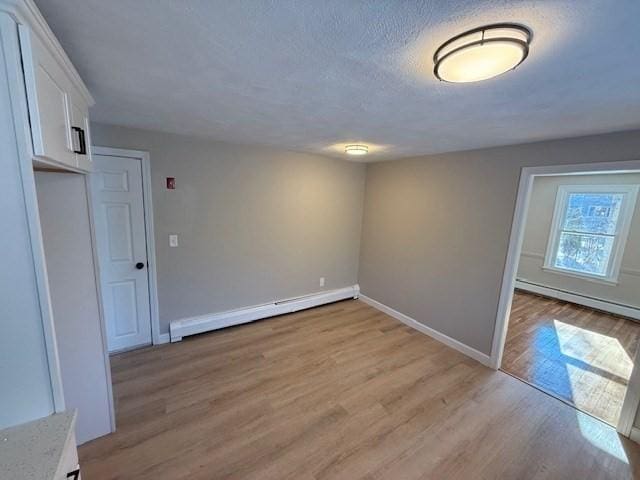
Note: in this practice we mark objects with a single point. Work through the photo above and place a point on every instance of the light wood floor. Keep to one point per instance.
(575, 353)
(339, 392)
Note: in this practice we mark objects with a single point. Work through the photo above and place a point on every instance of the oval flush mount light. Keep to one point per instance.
(356, 149)
(482, 53)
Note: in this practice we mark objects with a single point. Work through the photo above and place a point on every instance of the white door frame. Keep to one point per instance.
(632, 399)
(145, 159)
(103, 325)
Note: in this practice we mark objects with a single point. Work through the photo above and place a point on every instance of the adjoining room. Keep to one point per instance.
(573, 330)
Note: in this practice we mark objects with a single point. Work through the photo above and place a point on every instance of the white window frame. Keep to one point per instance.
(630, 194)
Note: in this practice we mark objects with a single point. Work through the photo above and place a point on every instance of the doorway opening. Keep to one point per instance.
(569, 313)
(123, 211)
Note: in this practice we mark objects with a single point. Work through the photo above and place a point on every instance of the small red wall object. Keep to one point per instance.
(171, 183)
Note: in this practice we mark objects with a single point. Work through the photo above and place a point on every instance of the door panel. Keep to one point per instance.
(123, 302)
(118, 223)
(114, 181)
(54, 118)
(121, 238)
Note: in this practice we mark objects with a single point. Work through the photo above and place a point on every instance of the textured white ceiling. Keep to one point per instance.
(312, 74)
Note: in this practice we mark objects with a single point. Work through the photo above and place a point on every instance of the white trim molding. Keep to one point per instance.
(539, 256)
(101, 315)
(214, 321)
(629, 408)
(25, 12)
(630, 271)
(635, 434)
(597, 303)
(422, 328)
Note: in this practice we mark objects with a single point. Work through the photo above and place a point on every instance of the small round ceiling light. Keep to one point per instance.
(482, 53)
(356, 149)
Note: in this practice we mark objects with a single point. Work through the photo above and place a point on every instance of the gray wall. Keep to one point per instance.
(538, 228)
(66, 233)
(436, 228)
(255, 224)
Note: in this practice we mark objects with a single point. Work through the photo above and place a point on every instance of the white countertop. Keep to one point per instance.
(32, 451)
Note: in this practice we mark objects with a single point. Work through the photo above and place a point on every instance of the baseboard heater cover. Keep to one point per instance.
(205, 323)
(598, 304)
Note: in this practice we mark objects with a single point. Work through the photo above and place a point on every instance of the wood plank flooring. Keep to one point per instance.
(575, 353)
(339, 392)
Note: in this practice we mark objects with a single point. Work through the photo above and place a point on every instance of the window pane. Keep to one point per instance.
(584, 253)
(593, 212)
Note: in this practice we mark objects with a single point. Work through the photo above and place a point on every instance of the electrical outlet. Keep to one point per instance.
(173, 240)
(322, 281)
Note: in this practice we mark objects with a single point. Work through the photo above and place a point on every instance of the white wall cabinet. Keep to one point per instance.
(44, 122)
(58, 107)
(27, 372)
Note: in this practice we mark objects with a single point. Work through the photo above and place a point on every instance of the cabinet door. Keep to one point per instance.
(47, 92)
(80, 136)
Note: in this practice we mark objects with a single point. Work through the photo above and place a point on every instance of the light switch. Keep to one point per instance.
(173, 240)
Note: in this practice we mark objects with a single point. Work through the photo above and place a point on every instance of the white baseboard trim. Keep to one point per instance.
(635, 434)
(205, 323)
(441, 337)
(579, 299)
(163, 338)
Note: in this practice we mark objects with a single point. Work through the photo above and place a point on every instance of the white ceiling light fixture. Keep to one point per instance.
(482, 53)
(356, 149)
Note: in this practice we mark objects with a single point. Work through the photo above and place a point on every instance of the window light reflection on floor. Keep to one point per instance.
(572, 339)
(601, 437)
(569, 336)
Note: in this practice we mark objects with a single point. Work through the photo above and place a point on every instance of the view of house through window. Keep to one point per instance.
(588, 232)
(589, 228)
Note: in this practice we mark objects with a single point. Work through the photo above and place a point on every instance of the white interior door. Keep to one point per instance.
(122, 250)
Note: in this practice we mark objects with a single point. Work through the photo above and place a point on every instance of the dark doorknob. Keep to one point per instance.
(139, 265)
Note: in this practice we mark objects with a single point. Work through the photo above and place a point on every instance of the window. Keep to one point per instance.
(589, 229)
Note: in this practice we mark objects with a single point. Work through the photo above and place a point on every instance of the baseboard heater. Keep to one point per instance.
(596, 303)
(205, 323)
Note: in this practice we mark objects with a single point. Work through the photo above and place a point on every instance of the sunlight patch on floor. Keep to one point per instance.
(601, 436)
(599, 351)
(582, 395)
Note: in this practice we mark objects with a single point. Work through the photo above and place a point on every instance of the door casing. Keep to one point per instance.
(145, 160)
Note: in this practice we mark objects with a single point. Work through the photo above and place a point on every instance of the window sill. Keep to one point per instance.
(569, 273)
